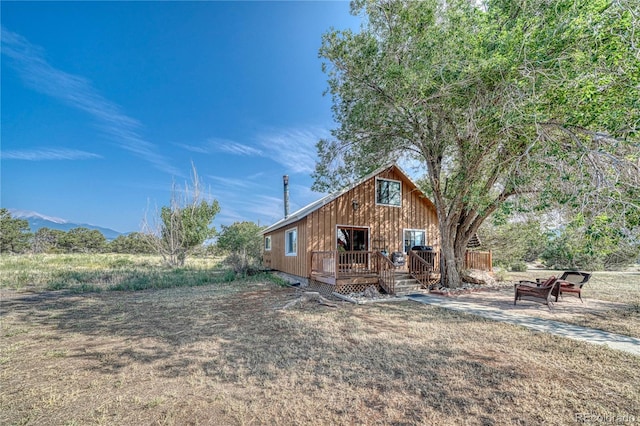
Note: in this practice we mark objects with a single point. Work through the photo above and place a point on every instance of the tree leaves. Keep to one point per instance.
(14, 233)
(516, 97)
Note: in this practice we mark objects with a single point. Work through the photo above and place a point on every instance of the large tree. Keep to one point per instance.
(132, 243)
(243, 242)
(82, 240)
(183, 225)
(14, 233)
(496, 100)
(46, 240)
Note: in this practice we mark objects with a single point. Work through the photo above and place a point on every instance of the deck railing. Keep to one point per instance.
(352, 263)
(343, 263)
(387, 274)
(421, 266)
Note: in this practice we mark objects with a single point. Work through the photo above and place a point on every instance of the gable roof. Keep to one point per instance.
(310, 208)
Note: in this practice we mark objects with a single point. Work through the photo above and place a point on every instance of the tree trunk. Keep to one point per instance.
(449, 265)
(450, 262)
(454, 239)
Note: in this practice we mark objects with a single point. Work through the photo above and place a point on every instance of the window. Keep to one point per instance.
(291, 242)
(267, 243)
(388, 192)
(414, 237)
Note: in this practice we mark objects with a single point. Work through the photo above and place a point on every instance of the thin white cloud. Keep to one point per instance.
(231, 182)
(76, 91)
(194, 148)
(214, 145)
(267, 207)
(293, 148)
(255, 176)
(235, 148)
(47, 154)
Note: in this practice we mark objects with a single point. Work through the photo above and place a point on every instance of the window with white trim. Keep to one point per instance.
(291, 242)
(388, 192)
(267, 243)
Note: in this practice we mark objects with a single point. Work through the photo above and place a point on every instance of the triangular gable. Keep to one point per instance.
(310, 208)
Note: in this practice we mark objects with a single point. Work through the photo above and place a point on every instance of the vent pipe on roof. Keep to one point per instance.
(285, 179)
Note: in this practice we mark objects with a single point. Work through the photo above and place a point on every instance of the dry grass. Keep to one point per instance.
(223, 355)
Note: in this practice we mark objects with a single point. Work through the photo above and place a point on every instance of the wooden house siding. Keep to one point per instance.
(386, 224)
(277, 259)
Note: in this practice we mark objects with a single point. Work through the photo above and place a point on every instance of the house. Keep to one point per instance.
(350, 239)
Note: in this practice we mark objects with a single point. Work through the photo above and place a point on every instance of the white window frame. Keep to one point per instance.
(267, 243)
(413, 229)
(293, 252)
(378, 179)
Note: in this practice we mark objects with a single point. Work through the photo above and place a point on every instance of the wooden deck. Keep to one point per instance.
(346, 284)
(354, 271)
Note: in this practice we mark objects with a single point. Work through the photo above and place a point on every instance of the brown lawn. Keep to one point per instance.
(224, 355)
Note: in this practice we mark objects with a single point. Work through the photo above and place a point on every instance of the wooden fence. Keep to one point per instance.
(481, 260)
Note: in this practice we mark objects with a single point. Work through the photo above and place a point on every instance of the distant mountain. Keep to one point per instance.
(37, 221)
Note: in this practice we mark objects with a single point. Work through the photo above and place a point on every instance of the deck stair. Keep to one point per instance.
(405, 284)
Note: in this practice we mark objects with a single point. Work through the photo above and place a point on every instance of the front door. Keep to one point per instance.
(352, 238)
(352, 243)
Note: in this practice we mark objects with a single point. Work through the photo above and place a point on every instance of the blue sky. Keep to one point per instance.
(104, 105)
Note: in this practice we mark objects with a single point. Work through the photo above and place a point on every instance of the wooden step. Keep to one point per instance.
(406, 285)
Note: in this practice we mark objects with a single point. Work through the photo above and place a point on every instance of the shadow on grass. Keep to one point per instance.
(232, 334)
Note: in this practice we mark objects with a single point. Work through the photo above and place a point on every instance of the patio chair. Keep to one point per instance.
(542, 291)
(572, 282)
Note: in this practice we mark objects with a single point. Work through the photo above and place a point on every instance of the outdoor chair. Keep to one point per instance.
(572, 282)
(542, 291)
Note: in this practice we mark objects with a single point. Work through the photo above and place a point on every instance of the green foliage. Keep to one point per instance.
(100, 272)
(592, 246)
(132, 243)
(48, 240)
(513, 242)
(14, 233)
(518, 266)
(243, 243)
(76, 240)
(228, 276)
(516, 97)
(184, 225)
(185, 228)
(500, 274)
(192, 222)
(276, 280)
(82, 240)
